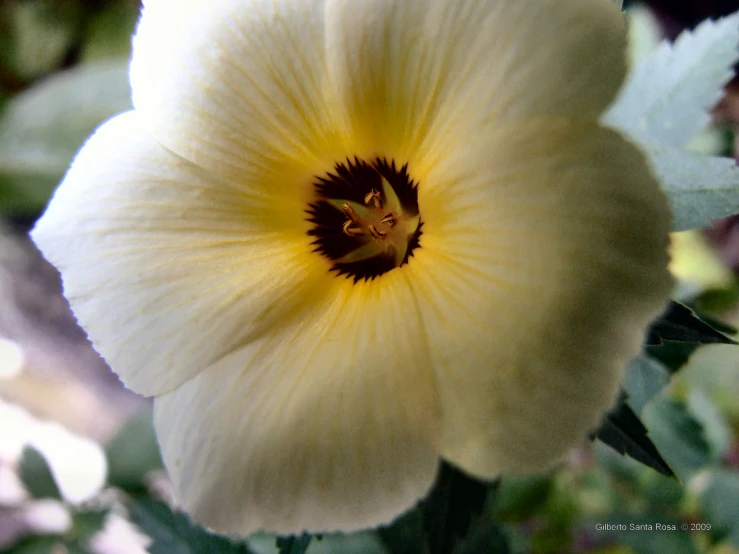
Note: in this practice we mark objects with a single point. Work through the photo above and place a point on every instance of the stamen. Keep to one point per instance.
(389, 220)
(375, 233)
(350, 213)
(365, 217)
(352, 231)
(374, 196)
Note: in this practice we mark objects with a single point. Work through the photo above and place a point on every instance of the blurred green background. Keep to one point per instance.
(63, 70)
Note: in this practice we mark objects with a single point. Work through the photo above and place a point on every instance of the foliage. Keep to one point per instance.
(63, 71)
(294, 545)
(174, 533)
(454, 503)
(36, 475)
(133, 454)
(664, 104)
(622, 431)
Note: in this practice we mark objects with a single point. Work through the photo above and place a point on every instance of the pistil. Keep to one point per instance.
(366, 217)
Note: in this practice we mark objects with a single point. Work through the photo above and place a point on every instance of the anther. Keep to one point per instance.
(351, 231)
(389, 220)
(375, 233)
(374, 196)
(350, 213)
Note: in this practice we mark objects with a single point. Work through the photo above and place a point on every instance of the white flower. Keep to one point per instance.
(77, 464)
(340, 241)
(119, 536)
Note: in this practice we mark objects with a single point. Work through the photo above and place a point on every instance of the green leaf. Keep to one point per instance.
(718, 300)
(7, 48)
(366, 542)
(519, 497)
(719, 505)
(678, 332)
(645, 377)
(699, 188)
(715, 427)
(88, 523)
(36, 475)
(108, 33)
(554, 537)
(672, 354)
(42, 128)
(678, 435)
(133, 453)
(622, 430)
(485, 536)
(680, 323)
(403, 536)
(43, 31)
(339, 543)
(664, 103)
(454, 502)
(38, 545)
(717, 324)
(294, 545)
(174, 533)
(666, 97)
(663, 495)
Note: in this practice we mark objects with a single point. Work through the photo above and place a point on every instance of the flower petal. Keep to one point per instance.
(330, 423)
(239, 88)
(274, 91)
(417, 77)
(167, 268)
(543, 259)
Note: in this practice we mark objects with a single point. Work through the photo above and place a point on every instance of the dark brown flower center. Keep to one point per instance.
(365, 219)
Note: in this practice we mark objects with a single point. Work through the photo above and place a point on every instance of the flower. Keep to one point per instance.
(342, 241)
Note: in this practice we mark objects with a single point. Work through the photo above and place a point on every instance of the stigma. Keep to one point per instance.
(382, 222)
(366, 219)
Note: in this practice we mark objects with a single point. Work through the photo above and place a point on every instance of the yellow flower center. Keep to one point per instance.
(366, 218)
